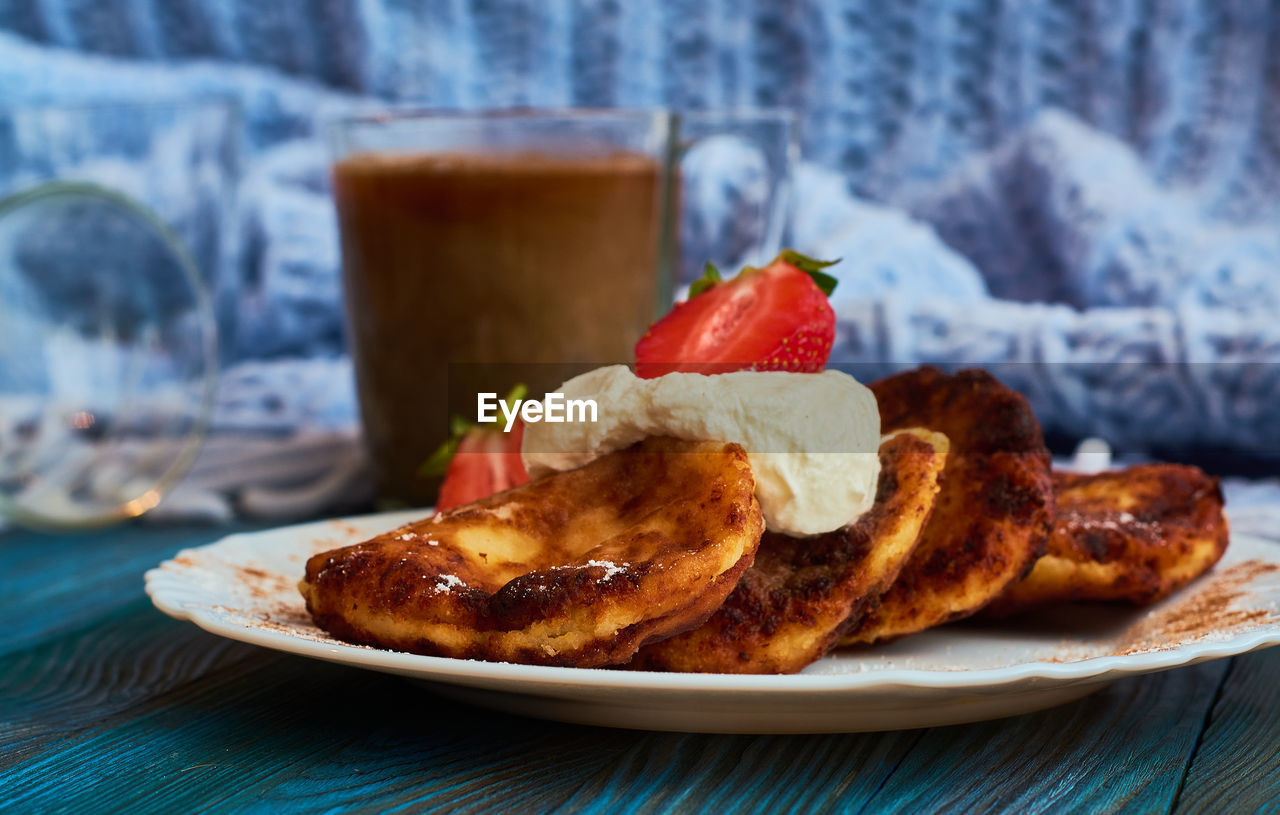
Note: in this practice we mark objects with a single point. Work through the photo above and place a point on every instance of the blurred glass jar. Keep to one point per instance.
(113, 288)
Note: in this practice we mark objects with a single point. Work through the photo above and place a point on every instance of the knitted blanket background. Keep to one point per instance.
(1086, 184)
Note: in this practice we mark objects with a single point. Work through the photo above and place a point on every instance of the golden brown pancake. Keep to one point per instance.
(994, 511)
(580, 568)
(1134, 535)
(792, 604)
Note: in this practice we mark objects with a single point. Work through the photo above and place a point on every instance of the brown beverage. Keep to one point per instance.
(529, 259)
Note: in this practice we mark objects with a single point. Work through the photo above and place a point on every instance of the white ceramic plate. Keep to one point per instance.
(244, 587)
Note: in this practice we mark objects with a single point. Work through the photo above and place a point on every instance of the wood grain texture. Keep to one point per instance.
(665, 772)
(54, 584)
(1121, 749)
(411, 749)
(1236, 767)
(66, 685)
(283, 732)
(183, 747)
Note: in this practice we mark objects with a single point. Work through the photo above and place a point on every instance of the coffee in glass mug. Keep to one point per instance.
(483, 250)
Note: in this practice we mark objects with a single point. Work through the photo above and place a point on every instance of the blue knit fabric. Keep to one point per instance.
(891, 93)
(1050, 185)
(1061, 212)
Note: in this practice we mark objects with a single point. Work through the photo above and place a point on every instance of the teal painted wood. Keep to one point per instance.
(70, 684)
(179, 749)
(665, 772)
(107, 704)
(1236, 767)
(1124, 748)
(56, 583)
(328, 736)
(414, 750)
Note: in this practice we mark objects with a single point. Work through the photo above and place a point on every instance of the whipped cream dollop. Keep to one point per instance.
(812, 439)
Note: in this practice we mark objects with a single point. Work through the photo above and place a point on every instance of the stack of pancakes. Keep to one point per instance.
(655, 557)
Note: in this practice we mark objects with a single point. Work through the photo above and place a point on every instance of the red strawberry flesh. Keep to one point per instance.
(487, 462)
(770, 319)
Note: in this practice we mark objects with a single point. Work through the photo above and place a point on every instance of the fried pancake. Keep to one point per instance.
(1134, 535)
(579, 568)
(995, 508)
(791, 605)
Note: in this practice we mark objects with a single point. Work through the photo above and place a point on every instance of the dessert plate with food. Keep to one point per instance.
(743, 541)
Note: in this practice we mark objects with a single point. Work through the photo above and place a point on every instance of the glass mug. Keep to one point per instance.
(113, 238)
(535, 243)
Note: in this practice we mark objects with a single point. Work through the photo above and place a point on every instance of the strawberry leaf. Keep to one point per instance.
(805, 263)
(710, 277)
(825, 282)
(812, 267)
(517, 392)
(438, 462)
(459, 426)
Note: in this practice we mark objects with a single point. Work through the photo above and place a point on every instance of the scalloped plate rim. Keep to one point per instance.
(164, 580)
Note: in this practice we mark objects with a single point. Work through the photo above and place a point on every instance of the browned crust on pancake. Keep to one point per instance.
(792, 604)
(1134, 535)
(670, 525)
(994, 511)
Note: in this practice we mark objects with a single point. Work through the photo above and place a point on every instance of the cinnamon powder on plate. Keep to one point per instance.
(1204, 612)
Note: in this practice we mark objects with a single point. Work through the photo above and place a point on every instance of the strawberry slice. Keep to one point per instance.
(775, 318)
(477, 462)
(486, 462)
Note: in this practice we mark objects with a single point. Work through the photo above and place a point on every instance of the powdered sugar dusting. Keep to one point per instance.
(610, 568)
(503, 512)
(447, 582)
(1119, 522)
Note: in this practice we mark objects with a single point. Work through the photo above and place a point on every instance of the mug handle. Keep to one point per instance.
(733, 190)
(84, 377)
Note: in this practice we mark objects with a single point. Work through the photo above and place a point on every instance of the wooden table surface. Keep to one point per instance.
(106, 704)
